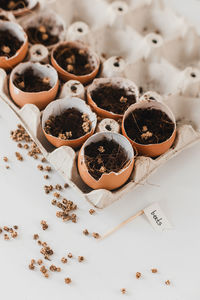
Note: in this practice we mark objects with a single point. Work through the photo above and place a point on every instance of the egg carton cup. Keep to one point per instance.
(134, 42)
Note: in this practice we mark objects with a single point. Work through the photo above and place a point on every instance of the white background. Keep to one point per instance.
(110, 264)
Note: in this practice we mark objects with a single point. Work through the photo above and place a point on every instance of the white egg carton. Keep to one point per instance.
(142, 40)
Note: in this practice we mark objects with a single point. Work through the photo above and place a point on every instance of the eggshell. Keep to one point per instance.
(151, 150)
(47, 18)
(8, 63)
(56, 108)
(112, 180)
(109, 125)
(117, 81)
(40, 99)
(84, 79)
(68, 90)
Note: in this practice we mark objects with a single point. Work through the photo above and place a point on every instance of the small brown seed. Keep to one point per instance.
(40, 167)
(66, 185)
(68, 280)
(70, 255)
(40, 262)
(91, 211)
(5, 159)
(14, 234)
(64, 260)
(45, 36)
(35, 236)
(5, 49)
(46, 176)
(138, 275)
(42, 29)
(31, 267)
(6, 228)
(15, 227)
(167, 282)
(96, 235)
(85, 231)
(6, 237)
(154, 270)
(80, 258)
(123, 291)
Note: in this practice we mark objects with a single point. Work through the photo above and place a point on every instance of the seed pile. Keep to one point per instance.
(113, 98)
(71, 124)
(9, 232)
(9, 43)
(30, 82)
(42, 35)
(74, 60)
(148, 126)
(104, 157)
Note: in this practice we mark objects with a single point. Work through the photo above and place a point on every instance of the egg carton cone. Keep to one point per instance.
(141, 40)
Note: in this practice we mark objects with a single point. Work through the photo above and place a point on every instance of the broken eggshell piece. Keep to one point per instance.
(40, 99)
(56, 108)
(151, 150)
(93, 60)
(38, 53)
(127, 84)
(112, 180)
(8, 63)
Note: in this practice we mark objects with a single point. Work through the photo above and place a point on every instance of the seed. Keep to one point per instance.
(5, 49)
(58, 187)
(43, 160)
(154, 270)
(70, 255)
(45, 36)
(80, 258)
(46, 80)
(64, 260)
(70, 68)
(96, 235)
(1, 230)
(66, 185)
(57, 195)
(68, 280)
(138, 275)
(40, 262)
(101, 149)
(53, 202)
(31, 267)
(21, 84)
(15, 227)
(35, 236)
(5, 159)
(86, 232)
(123, 99)
(7, 167)
(14, 234)
(6, 228)
(46, 176)
(167, 282)
(18, 155)
(102, 169)
(46, 275)
(40, 167)
(42, 29)
(48, 168)
(32, 261)
(123, 291)
(6, 237)
(91, 211)
(19, 145)
(44, 225)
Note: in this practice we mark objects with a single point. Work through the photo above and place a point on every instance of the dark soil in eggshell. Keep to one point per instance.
(30, 82)
(70, 125)
(104, 157)
(148, 126)
(9, 43)
(41, 35)
(74, 60)
(113, 98)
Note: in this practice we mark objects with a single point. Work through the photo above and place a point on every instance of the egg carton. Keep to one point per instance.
(142, 40)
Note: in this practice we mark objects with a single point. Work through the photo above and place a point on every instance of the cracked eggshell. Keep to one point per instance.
(8, 63)
(40, 99)
(116, 81)
(50, 19)
(84, 79)
(151, 150)
(56, 108)
(22, 11)
(112, 180)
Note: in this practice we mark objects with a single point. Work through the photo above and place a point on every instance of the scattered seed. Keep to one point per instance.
(40, 167)
(6, 237)
(48, 169)
(138, 275)
(6, 228)
(123, 291)
(5, 159)
(46, 176)
(40, 262)
(66, 185)
(85, 231)
(80, 258)
(167, 282)
(68, 280)
(154, 270)
(19, 156)
(70, 255)
(44, 224)
(57, 195)
(14, 234)
(91, 211)
(58, 187)
(96, 235)
(64, 260)
(35, 236)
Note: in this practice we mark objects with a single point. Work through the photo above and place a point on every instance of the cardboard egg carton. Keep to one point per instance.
(142, 40)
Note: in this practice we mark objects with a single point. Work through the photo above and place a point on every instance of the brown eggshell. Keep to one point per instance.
(117, 81)
(56, 108)
(40, 99)
(109, 181)
(22, 11)
(151, 150)
(69, 76)
(8, 63)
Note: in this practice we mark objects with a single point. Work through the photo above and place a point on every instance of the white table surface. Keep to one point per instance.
(110, 264)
